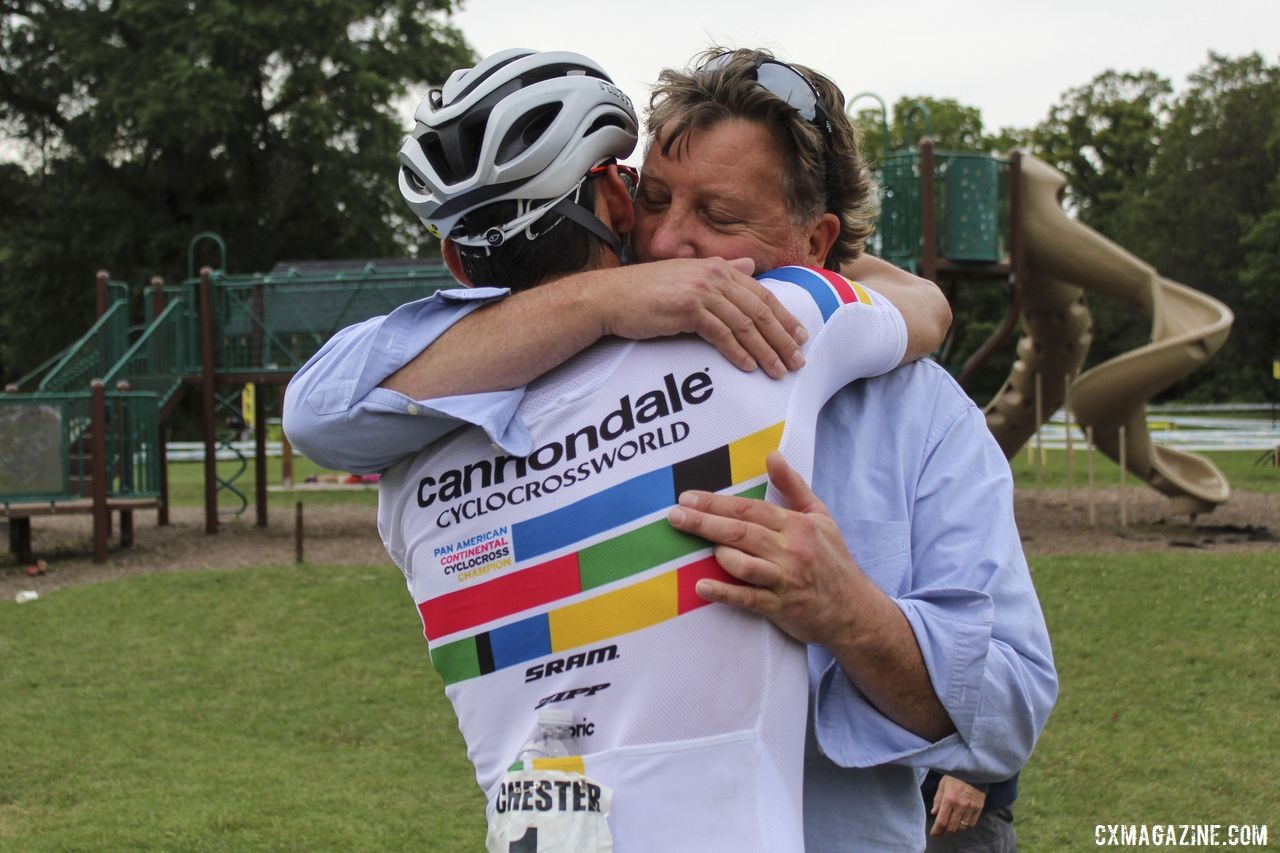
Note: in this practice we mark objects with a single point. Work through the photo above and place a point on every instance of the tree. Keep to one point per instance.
(1191, 184)
(1215, 206)
(951, 125)
(141, 122)
(1104, 136)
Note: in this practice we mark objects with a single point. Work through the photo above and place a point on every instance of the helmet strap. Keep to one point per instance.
(571, 209)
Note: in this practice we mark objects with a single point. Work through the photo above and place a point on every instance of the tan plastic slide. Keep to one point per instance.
(1063, 259)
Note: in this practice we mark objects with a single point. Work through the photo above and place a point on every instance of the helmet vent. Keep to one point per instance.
(454, 152)
(434, 152)
(526, 132)
(414, 180)
(603, 122)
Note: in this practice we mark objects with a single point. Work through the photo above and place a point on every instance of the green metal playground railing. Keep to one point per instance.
(274, 323)
(34, 376)
(135, 456)
(159, 358)
(972, 206)
(39, 436)
(45, 446)
(95, 352)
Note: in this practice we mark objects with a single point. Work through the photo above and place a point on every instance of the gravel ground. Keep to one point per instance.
(1052, 522)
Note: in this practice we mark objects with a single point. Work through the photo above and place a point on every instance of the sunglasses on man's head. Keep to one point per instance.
(787, 84)
(783, 81)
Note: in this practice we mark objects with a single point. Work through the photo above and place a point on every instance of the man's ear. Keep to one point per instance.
(822, 237)
(613, 202)
(449, 250)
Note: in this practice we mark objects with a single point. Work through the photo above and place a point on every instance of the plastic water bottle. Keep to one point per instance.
(554, 728)
(554, 807)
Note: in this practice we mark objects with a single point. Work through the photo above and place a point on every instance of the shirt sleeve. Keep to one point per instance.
(977, 620)
(336, 415)
(849, 324)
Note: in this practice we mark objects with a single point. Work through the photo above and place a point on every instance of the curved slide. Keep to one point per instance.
(1063, 259)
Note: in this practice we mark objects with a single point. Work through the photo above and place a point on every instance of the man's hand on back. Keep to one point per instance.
(798, 573)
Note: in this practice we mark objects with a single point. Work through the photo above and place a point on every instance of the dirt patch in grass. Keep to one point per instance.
(333, 535)
(1051, 522)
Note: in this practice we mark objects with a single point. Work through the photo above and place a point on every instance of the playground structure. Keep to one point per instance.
(960, 216)
(85, 432)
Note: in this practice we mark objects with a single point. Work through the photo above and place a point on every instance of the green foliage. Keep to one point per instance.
(951, 125)
(1190, 184)
(1215, 204)
(1104, 137)
(140, 122)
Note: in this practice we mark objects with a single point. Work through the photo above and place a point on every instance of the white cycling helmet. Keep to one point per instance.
(521, 126)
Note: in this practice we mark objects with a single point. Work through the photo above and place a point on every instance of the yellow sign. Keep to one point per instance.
(1275, 368)
(246, 404)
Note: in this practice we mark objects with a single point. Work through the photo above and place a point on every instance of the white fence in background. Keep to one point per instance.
(193, 451)
(1196, 432)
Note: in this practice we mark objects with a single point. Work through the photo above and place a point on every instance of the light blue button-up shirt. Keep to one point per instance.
(335, 413)
(923, 496)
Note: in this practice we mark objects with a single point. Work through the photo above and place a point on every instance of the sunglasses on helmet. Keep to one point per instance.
(630, 177)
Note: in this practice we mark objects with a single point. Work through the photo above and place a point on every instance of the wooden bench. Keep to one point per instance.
(19, 515)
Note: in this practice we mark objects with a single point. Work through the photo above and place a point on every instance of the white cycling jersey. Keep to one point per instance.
(555, 580)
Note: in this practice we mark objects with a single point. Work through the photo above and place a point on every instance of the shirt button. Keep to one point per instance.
(412, 409)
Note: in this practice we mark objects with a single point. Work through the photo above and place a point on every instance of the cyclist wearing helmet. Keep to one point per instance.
(502, 156)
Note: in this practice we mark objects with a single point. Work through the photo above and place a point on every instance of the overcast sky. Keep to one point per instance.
(1010, 58)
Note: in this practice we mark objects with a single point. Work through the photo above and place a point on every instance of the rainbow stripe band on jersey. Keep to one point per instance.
(614, 613)
(602, 563)
(727, 465)
(595, 620)
(829, 290)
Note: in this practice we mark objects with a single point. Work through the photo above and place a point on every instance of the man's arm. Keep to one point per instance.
(510, 343)
(921, 302)
(800, 575)
(335, 413)
(976, 647)
(384, 389)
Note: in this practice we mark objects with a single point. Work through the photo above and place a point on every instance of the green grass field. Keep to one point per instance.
(269, 709)
(294, 708)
